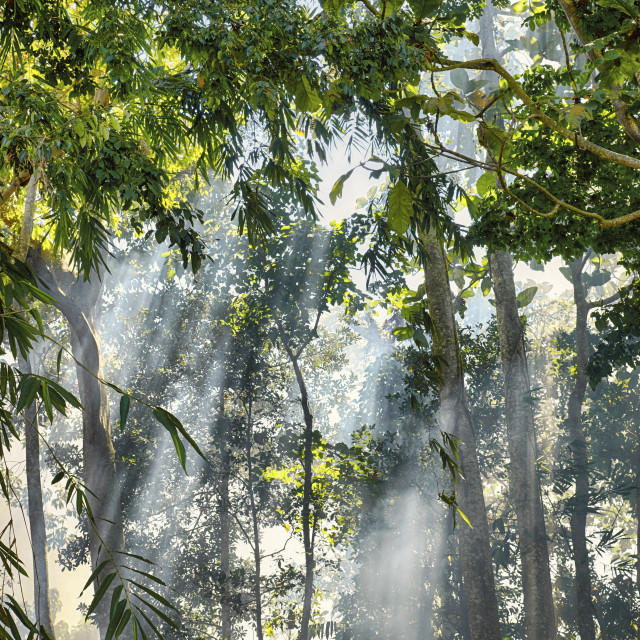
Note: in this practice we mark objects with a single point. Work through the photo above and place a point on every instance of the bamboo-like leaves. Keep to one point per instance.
(175, 429)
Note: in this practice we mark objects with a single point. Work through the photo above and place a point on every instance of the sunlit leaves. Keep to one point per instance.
(307, 98)
(526, 296)
(486, 182)
(422, 8)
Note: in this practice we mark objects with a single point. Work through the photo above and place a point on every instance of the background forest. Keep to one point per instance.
(237, 404)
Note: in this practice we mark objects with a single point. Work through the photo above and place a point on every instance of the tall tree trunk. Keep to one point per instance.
(257, 559)
(32, 448)
(224, 505)
(637, 505)
(36, 516)
(580, 456)
(76, 300)
(475, 548)
(307, 497)
(524, 481)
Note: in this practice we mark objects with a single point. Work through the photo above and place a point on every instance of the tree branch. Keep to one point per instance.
(489, 64)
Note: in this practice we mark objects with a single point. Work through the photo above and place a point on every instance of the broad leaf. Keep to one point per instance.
(525, 297)
(422, 8)
(486, 182)
(400, 207)
(307, 98)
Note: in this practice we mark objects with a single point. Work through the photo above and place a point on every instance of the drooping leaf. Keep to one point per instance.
(307, 98)
(526, 296)
(535, 265)
(400, 207)
(566, 272)
(336, 190)
(125, 402)
(102, 589)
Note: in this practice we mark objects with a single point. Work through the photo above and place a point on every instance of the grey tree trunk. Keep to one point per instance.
(524, 481)
(225, 546)
(257, 558)
(307, 497)
(77, 300)
(475, 548)
(225, 522)
(32, 448)
(36, 516)
(580, 455)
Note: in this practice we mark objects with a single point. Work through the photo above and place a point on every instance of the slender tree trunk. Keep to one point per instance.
(524, 481)
(32, 448)
(475, 548)
(36, 516)
(307, 534)
(637, 507)
(257, 559)
(224, 505)
(580, 455)
(76, 300)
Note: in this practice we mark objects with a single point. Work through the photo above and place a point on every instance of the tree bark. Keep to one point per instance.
(76, 300)
(225, 522)
(32, 448)
(36, 516)
(580, 455)
(307, 535)
(257, 559)
(475, 548)
(524, 481)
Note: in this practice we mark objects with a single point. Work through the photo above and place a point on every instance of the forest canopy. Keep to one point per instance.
(235, 404)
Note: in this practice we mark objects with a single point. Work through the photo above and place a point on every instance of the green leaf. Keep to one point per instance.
(422, 8)
(307, 99)
(486, 182)
(174, 427)
(78, 127)
(598, 279)
(535, 265)
(464, 517)
(403, 333)
(95, 574)
(525, 297)
(332, 5)
(336, 190)
(177, 443)
(566, 272)
(391, 6)
(495, 140)
(460, 79)
(102, 589)
(29, 387)
(485, 285)
(125, 403)
(400, 207)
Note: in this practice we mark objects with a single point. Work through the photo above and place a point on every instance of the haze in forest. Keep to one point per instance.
(320, 321)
